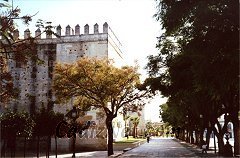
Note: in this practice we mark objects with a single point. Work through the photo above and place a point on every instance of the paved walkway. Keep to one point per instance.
(160, 147)
(156, 148)
(166, 147)
(92, 154)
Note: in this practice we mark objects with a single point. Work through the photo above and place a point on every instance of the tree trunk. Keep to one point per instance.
(136, 134)
(191, 137)
(236, 131)
(183, 134)
(134, 131)
(56, 146)
(219, 136)
(48, 145)
(125, 128)
(197, 137)
(209, 131)
(38, 145)
(24, 150)
(214, 139)
(220, 144)
(12, 143)
(222, 130)
(201, 137)
(110, 135)
(188, 135)
(3, 148)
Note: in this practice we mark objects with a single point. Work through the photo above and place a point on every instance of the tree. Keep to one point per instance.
(105, 87)
(172, 115)
(198, 58)
(149, 127)
(135, 121)
(45, 118)
(14, 48)
(8, 46)
(7, 89)
(125, 118)
(15, 124)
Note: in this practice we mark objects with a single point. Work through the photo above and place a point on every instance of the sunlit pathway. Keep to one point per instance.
(160, 147)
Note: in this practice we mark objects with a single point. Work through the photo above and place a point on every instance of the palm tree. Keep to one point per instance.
(135, 122)
(125, 118)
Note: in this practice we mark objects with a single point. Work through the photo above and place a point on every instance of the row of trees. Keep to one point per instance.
(20, 124)
(158, 128)
(197, 65)
(131, 120)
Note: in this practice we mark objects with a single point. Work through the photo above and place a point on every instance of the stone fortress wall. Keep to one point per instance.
(34, 80)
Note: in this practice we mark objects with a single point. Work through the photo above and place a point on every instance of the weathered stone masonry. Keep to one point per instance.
(34, 80)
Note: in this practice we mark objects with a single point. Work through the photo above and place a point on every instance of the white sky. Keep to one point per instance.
(131, 20)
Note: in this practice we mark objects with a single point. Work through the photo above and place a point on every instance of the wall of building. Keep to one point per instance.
(34, 78)
(96, 46)
(115, 49)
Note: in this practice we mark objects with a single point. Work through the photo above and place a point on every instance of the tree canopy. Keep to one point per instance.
(14, 48)
(197, 63)
(16, 124)
(97, 83)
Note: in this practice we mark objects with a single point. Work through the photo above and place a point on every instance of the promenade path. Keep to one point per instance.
(156, 148)
(160, 147)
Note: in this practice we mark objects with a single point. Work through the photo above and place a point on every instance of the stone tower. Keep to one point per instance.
(34, 79)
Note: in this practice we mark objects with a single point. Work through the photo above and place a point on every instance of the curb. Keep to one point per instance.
(136, 144)
(194, 148)
(115, 155)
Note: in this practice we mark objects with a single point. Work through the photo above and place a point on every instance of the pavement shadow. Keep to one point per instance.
(195, 149)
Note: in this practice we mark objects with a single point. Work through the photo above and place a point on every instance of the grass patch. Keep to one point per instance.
(129, 140)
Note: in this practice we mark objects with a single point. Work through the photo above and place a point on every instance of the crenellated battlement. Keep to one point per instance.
(66, 45)
(69, 31)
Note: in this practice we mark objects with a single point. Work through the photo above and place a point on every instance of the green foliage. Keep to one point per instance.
(45, 118)
(149, 127)
(97, 83)
(135, 120)
(16, 124)
(94, 82)
(19, 49)
(13, 48)
(173, 114)
(7, 88)
(128, 140)
(196, 65)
